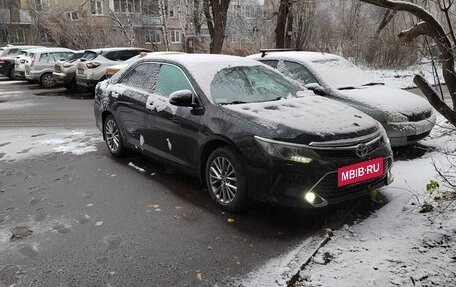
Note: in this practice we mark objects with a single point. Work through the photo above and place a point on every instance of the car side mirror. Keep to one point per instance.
(183, 98)
(316, 88)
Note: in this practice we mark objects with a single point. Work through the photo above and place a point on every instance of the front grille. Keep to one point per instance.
(336, 152)
(419, 117)
(327, 187)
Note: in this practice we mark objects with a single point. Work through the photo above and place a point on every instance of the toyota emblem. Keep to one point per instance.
(361, 150)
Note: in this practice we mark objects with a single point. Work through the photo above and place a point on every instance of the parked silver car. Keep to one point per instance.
(41, 65)
(93, 70)
(406, 117)
(65, 71)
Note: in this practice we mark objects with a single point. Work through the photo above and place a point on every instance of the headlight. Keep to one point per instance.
(285, 151)
(384, 134)
(396, 118)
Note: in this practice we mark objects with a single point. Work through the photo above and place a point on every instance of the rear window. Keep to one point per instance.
(13, 52)
(89, 55)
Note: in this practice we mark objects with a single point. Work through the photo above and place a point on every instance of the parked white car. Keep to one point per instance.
(65, 71)
(406, 117)
(40, 67)
(7, 59)
(92, 71)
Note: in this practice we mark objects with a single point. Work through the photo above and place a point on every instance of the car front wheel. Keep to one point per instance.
(113, 137)
(226, 178)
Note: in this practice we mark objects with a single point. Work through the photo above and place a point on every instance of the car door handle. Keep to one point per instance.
(115, 95)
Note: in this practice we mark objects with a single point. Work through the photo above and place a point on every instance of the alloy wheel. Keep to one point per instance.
(222, 179)
(112, 135)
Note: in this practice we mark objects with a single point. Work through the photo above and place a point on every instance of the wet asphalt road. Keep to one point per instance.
(96, 221)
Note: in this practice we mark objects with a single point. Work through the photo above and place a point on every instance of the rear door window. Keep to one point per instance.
(125, 55)
(45, 58)
(141, 77)
(171, 79)
(113, 56)
(271, 63)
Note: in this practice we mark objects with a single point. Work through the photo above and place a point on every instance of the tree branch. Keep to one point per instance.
(434, 99)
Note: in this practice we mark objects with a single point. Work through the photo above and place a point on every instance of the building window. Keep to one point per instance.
(73, 16)
(153, 37)
(96, 7)
(134, 6)
(175, 36)
(150, 9)
(42, 5)
(13, 36)
(45, 37)
(173, 11)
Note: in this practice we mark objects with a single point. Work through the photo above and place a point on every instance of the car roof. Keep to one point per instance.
(296, 56)
(102, 50)
(197, 59)
(56, 49)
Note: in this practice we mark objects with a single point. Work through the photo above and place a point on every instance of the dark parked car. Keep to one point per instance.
(243, 129)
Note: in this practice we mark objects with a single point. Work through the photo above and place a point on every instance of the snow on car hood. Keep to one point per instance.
(390, 100)
(311, 115)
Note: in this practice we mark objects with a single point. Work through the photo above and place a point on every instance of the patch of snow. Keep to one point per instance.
(141, 140)
(170, 146)
(25, 143)
(136, 167)
(159, 103)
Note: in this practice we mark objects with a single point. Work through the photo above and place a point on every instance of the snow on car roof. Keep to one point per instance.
(203, 67)
(301, 55)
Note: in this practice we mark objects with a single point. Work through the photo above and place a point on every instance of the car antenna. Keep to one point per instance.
(264, 51)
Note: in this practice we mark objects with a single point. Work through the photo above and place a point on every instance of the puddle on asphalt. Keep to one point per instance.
(411, 152)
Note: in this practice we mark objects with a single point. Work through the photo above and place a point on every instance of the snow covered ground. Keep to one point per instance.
(17, 144)
(395, 246)
(404, 78)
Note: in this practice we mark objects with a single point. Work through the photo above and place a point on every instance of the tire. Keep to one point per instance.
(47, 81)
(113, 137)
(226, 179)
(12, 75)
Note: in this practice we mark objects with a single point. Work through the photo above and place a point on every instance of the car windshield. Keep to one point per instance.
(340, 73)
(237, 85)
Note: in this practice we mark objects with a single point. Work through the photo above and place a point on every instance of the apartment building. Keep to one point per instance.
(81, 24)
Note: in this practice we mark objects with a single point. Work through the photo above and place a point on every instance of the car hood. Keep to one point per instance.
(384, 100)
(306, 119)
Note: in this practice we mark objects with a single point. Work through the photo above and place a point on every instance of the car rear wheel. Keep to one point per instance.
(47, 81)
(113, 137)
(226, 179)
(13, 75)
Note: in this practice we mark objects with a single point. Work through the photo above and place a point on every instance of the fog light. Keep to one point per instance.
(389, 176)
(310, 197)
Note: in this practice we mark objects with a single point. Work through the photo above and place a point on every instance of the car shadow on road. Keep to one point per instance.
(411, 152)
(259, 219)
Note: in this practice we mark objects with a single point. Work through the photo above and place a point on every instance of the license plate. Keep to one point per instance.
(80, 71)
(360, 172)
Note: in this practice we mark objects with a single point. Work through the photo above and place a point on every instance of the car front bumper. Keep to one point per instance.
(405, 133)
(33, 76)
(287, 183)
(86, 83)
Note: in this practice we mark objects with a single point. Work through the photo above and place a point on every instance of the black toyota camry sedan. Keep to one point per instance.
(245, 130)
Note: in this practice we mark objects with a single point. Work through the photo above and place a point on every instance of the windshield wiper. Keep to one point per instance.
(347, 88)
(374, 84)
(234, 103)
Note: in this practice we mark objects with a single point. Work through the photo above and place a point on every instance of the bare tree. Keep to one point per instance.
(164, 24)
(431, 27)
(216, 16)
(284, 24)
